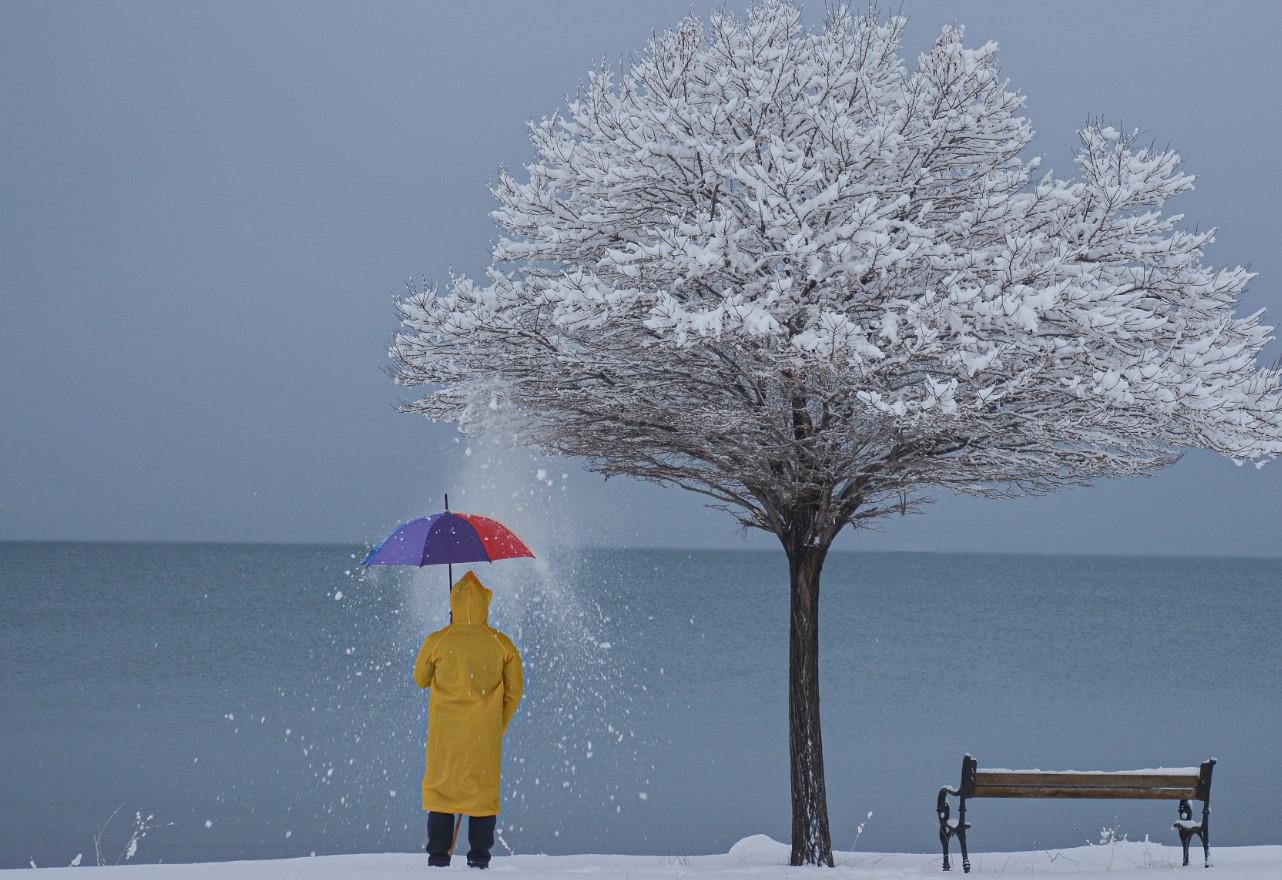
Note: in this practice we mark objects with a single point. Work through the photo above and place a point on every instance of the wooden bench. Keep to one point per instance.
(1190, 784)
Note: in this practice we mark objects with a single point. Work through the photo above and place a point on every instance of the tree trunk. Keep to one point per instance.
(811, 840)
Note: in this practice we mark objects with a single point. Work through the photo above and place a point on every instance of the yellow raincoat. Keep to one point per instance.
(474, 672)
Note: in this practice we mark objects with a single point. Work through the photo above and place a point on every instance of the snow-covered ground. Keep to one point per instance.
(752, 859)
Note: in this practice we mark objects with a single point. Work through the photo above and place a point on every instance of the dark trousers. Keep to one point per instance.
(440, 831)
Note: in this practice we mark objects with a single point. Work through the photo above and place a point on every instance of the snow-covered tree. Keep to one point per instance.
(788, 271)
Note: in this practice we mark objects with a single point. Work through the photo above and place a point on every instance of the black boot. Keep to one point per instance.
(480, 840)
(440, 834)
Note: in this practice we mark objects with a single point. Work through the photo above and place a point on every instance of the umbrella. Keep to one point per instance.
(446, 538)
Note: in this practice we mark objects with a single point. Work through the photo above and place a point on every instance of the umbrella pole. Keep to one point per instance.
(449, 568)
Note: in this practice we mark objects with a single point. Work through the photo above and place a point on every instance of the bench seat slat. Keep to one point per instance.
(1090, 780)
(1085, 791)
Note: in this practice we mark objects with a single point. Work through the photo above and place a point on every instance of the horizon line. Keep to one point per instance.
(657, 547)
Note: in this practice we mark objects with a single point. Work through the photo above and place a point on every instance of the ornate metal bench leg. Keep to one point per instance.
(1186, 814)
(941, 810)
(1206, 838)
(954, 829)
(961, 833)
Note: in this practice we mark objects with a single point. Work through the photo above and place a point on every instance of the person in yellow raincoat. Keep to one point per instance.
(474, 672)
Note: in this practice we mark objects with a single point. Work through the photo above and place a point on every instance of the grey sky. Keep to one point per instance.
(205, 210)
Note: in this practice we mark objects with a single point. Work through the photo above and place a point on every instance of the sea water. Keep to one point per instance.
(256, 700)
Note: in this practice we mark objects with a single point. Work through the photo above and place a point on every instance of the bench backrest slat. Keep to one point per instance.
(1054, 779)
(1184, 783)
(1085, 791)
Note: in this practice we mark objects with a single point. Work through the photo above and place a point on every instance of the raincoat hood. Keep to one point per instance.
(470, 600)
